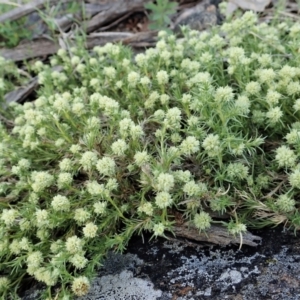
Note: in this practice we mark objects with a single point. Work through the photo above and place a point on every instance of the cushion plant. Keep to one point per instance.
(115, 143)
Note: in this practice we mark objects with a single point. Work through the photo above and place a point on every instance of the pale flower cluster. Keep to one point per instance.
(64, 179)
(133, 78)
(165, 182)
(125, 125)
(212, 145)
(294, 178)
(194, 189)
(162, 77)
(48, 277)
(224, 94)
(60, 203)
(100, 207)
(88, 160)
(274, 115)
(74, 244)
(106, 166)
(237, 228)
(293, 137)
(163, 199)
(158, 229)
(189, 146)
(90, 230)
(146, 208)
(141, 157)
(285, 203)
(95, 188)
(81, 215)
(34, 260)
(285, 157)
(173, 118)
(202, 220)
(183, 176)
(4, 283)
(66, 164)
(119, 147)
(41, 180)
(78, 261)
(243, 104)
(9, 216)
(42, 218)
(111, 184)
(80, 286)
(237, 171)
(253, 88)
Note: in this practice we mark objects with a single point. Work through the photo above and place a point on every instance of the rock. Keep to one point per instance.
(199, 17)
(168, 269)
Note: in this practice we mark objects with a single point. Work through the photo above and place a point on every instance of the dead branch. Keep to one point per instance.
(116, 9)
(216, 235)
(43, 47)
(26, 9)
(35, 48)
(23, 92)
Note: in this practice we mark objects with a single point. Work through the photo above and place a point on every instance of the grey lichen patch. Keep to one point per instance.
(116, 263)
(120, 287)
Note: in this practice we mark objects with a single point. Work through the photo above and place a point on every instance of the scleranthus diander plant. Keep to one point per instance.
(115, 143)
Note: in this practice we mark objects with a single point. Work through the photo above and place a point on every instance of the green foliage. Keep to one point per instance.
(49, 14)
(11, 77)
(160, 13)
(11, 33)
(115, 143)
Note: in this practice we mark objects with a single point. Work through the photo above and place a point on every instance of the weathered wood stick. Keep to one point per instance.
(216, 235)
